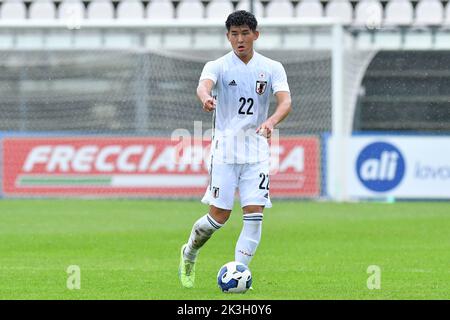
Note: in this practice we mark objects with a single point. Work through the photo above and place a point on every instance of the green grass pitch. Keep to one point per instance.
(129, 249)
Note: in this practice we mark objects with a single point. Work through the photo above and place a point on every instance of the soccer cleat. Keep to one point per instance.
(186, 270)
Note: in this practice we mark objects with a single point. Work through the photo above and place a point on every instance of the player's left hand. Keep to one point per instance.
(265, 129)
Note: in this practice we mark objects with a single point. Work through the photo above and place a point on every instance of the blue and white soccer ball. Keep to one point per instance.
(234, 277)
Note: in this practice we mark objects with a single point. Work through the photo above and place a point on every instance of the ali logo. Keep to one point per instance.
(380, 166)
(261, 87)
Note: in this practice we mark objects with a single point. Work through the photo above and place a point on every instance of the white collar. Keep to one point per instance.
(250, 62)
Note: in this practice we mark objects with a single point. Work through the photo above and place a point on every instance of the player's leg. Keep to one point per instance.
(220, 196)
(203, 229)
(250, 234)
(254, 194)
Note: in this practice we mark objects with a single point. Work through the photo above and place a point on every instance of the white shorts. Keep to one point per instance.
(252, 180)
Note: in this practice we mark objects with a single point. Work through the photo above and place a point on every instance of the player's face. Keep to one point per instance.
(241, 39)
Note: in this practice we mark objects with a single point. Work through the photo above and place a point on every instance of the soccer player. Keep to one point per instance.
(237, 88)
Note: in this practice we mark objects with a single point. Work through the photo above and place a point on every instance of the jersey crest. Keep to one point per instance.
(261, 87)
(215, 192)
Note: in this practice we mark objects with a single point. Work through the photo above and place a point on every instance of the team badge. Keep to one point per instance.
(215, 192)
(261, 87)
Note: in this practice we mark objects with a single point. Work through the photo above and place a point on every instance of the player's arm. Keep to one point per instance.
(283, 108)
(204, 89)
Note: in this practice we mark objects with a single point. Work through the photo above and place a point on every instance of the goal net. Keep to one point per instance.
(99, 122)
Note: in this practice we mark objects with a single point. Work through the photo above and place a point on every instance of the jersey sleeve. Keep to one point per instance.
(279, 79)
(210, 71)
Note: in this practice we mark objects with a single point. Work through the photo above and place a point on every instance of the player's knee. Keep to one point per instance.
(253, 209)
(220, 215)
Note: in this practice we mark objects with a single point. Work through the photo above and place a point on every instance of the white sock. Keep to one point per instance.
(249, 239)
(201, 231)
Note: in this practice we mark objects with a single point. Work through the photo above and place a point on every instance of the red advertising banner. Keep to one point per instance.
(130, 166)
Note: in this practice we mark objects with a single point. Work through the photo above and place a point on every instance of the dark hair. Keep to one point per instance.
(241, 18)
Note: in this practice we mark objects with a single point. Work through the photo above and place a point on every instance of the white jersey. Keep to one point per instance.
(242, 92)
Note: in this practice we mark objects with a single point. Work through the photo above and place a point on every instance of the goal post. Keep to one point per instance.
(337, 189)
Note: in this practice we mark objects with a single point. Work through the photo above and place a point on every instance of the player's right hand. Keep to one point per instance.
(209, 104)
